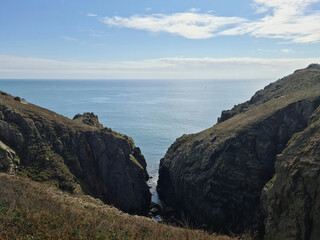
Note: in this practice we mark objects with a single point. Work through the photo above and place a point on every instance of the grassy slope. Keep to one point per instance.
(300, 80)
(30, 210)
(301, 85)
(30, 110)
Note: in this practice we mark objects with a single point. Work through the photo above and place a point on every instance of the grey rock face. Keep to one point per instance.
(216, 176)
(73, 155)
(220, 184)
(291, 200)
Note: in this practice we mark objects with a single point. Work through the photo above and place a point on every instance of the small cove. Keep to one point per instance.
(153, 112)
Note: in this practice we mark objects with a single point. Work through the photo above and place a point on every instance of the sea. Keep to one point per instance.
(153, 112)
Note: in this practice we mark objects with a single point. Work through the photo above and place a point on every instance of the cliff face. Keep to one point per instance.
(291, 200)
(73, 154)
(217, 176)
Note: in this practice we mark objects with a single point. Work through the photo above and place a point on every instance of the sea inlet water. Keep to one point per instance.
(153, 112)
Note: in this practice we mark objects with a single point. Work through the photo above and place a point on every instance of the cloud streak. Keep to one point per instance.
(13, 67)
(67, 38)
(283, 19)
(190, 25)
(91, 15)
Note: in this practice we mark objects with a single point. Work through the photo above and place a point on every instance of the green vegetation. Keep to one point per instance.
(30, 210)
(133, 159)
(47, 166)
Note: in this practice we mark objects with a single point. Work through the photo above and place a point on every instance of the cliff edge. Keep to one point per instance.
(217, 176)
(75, 155)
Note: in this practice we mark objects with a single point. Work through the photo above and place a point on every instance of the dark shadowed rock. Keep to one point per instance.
(9, 161)
(216, 176)
(291, 200)
(17, 99)
(155, 209)
(314, 66)
(73, 154)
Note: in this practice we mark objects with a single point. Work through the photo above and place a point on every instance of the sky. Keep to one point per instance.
(157, 39)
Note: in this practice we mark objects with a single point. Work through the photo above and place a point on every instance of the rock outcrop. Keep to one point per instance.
(9, 161)
(76, 155)
(216, 177)
(88, 118)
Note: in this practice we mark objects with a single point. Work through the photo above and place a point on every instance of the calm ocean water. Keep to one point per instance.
(153, 112)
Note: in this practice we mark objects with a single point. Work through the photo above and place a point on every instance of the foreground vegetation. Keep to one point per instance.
(30, 210)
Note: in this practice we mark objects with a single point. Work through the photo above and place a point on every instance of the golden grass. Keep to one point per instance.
(30, 210)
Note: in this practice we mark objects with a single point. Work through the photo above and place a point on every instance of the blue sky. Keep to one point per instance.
(157, 39)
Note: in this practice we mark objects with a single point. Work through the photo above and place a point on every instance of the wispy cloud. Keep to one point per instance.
(286, 50)
(148, 9)
(283, 51)
(189, 25)
(290, 20)
(68, 38)
(163, 68)
(194, 10)
(92, 15)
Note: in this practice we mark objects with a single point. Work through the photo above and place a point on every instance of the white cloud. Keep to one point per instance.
(297, 4)
(290, 20)
(164, 68)
(258, 8)
(286, 50)
(69, 38)
(148, 9)
(189, 25)
(91, 15)
(194, 10)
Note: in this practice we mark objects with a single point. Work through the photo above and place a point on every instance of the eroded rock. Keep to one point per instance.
(216, 176)
(75, 154)
(88, 118)
(291, 200)
(9, 161)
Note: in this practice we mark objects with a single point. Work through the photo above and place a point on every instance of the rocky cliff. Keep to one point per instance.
(291, 200)
(216, 177)
(76, 155)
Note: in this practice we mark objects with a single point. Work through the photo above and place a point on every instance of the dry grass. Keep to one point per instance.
(256, 114)
(30, 210)
(36, 112)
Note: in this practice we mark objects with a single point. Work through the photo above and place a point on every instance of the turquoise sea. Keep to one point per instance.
(153, 112)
